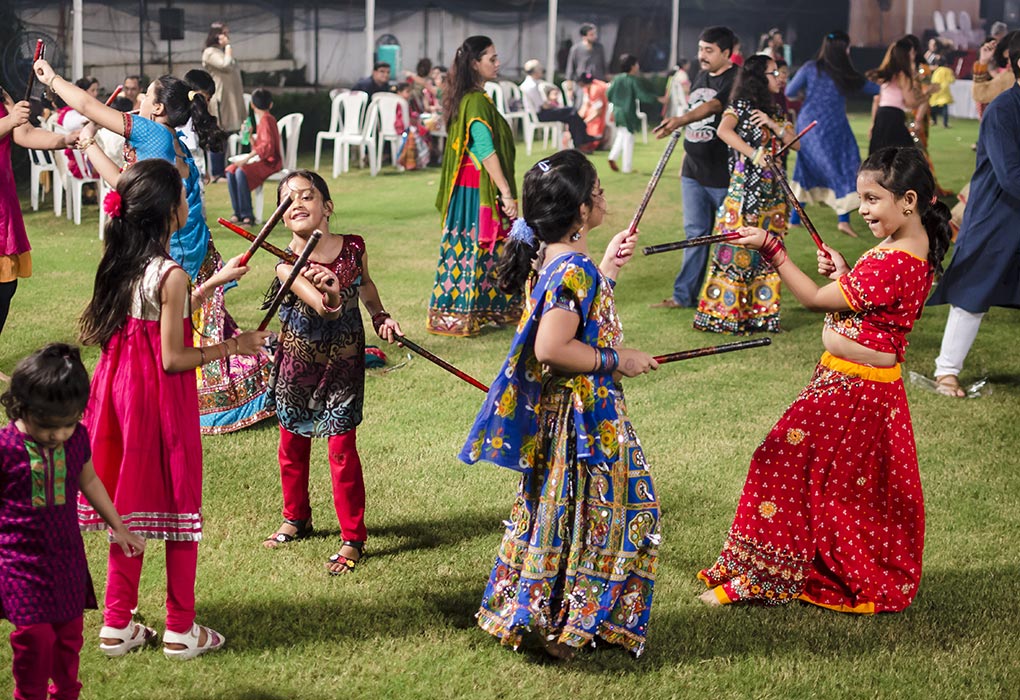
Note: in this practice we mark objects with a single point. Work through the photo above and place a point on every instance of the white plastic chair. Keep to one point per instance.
(550, 130)
(644, 121)
(359, 129)
(333, 133)
(939, 20)
(567, 87)
(290, 133)
(511, 93)
(74, 186)
(495, 93)
(44, 162)
(386, 104)
(104, 189)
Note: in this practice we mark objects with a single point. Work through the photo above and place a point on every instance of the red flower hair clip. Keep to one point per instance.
(111, 204)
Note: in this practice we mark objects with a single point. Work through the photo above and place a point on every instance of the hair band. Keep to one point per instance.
(191, 95)
(521, 232)
(544, 166)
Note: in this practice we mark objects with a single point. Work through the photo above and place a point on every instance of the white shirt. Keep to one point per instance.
(532, 94)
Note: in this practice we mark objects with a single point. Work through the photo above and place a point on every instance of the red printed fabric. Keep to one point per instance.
(885, 292)
(832, 511)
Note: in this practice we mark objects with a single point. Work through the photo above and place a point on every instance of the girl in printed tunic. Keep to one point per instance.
(578, 557)
(318, 379)
(741, 290)
(832, 511)
(143, 411)
(44, 464)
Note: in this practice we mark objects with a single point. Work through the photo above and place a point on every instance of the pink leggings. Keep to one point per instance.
(345, 470)
(122, 578)
(43, 652)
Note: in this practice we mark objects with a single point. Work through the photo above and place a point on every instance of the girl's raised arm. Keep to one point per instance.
(79, 100)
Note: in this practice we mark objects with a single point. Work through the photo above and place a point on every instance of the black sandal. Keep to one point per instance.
(346, 562)
(304, 529)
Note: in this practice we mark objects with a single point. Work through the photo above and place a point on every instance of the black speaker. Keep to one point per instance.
(171, 24)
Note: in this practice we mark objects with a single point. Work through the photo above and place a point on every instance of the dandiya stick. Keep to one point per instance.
(713, 350)
(796, 138)
(114, 95)
(40, 51)
(442, 363)
(780, 175)
(654, 181)
(313, 241)
(268, 247)
(690, 243)
(267, 228)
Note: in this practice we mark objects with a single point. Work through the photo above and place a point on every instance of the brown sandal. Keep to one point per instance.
(949, 385)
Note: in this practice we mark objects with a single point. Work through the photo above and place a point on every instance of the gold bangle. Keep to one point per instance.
(84, 144)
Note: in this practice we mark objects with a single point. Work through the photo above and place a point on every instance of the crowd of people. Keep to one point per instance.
(578, 558)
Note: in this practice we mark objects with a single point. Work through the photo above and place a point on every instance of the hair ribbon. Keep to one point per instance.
(521, 232)
(191, 95)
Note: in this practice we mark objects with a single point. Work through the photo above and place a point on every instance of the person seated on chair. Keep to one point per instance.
(547, 110)
(253, 168)
(379, 81)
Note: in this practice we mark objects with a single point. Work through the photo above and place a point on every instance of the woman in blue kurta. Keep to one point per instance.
(579, 553)
(231, 391)
(985, 269)
(826, 169)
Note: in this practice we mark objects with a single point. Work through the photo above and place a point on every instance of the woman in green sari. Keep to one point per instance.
(478, 199)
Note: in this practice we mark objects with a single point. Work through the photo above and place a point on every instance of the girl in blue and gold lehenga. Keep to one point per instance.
(232, 390)
(578, 558)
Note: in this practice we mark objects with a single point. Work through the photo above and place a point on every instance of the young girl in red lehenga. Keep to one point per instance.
(832, 511)
(143, 412)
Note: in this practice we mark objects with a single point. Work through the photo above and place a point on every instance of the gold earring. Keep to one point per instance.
(908, 212)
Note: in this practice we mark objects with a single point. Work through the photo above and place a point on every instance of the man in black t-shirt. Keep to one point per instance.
(705, 175)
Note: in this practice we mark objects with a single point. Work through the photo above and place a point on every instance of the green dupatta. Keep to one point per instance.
(477, 106)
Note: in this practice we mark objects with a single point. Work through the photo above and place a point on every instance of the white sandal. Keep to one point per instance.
(213, 641)
(131, 637)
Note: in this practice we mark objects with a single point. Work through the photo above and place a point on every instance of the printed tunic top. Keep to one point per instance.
(885, 291)
(318, 378)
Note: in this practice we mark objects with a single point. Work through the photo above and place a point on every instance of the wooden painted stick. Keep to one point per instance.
(796, 138)
(690, 243)
(442, 363)
(114, 95)
(298, 264)
(654, 181)
(713, 350)
(267, 228)
(283, 255)
(780, 175)
(40, 50)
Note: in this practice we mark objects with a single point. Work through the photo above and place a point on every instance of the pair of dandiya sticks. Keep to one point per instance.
(299, 262)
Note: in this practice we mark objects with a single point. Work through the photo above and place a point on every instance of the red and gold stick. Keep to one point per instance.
(777, 171)
(713, 350)
(283, 255)
(690, 243)
(654, 181)
(114, 95)
(40, 51)
(313, 241)
(267, 228)
(442, 363)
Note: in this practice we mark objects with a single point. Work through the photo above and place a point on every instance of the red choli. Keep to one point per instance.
(886, 291)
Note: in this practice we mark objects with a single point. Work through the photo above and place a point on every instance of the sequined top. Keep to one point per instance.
(885, 292)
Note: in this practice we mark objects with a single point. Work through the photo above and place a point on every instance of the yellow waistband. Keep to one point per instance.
(874, 374)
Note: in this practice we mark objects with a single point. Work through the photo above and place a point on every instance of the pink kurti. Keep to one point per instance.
(15, 259)
(143, 420)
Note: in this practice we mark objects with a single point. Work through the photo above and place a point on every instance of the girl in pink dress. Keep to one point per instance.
(143, 412)
(44, 464)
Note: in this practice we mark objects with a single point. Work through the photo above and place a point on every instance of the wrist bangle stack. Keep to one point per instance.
(773, 251)
(606, 361)
(326, 307)
(83, 144)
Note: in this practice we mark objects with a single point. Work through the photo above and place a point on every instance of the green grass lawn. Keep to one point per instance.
(403, 625)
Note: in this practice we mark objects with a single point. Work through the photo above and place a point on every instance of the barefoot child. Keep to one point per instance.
(832, 511)
(44, 577)
(323, 396)
(579, 553)
(143, 412)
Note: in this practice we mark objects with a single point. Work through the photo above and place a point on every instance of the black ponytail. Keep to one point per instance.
(899, 169)
(182, 102)
(554, 190)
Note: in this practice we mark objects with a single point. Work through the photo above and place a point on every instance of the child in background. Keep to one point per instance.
(943, 77)
(318, 380)
(143, 412)
(44, 463)
(265, 159)
(579, 552)
(624, 93)
(832, 511)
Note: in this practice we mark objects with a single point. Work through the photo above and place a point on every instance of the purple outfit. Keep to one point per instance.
(44, 575)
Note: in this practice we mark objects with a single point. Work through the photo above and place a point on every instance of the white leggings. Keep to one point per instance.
(961, 330)
(624, 141)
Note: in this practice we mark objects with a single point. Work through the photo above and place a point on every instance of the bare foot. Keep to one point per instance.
(949, 385)
(845, 227)
(557, 650)
(709, 598)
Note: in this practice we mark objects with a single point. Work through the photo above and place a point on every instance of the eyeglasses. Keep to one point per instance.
(773, 73)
